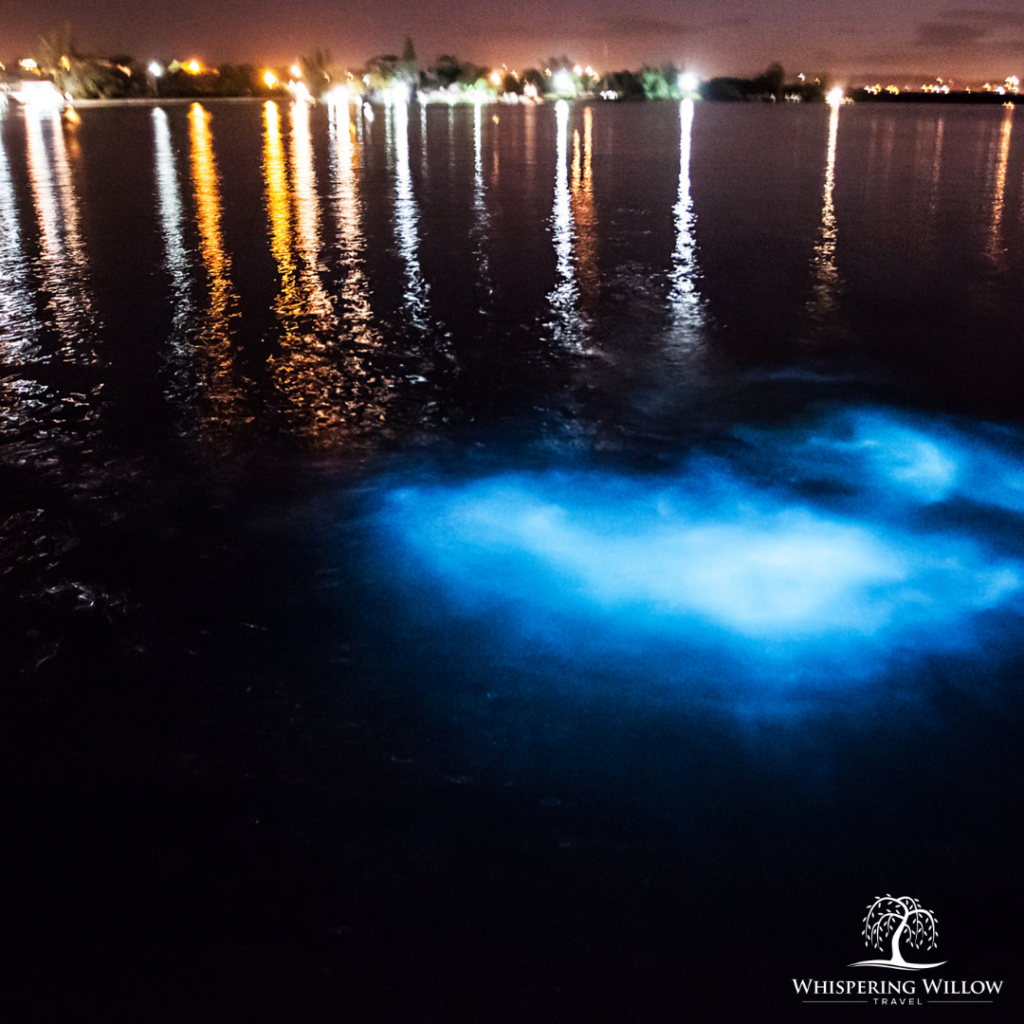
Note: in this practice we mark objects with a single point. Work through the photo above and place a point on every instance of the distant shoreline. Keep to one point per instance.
(857, 96)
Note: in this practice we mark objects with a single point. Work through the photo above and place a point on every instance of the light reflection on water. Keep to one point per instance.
(564, 297)
(305, 369)
(687, 308)
(64, 266)
(17, 322)
(779, 563)
(583, 216)
(172, 217)
(407, 220)
(367, 390)
(481, 219)
(995, 247)
(826, 282)
(352, 271)
(222, 399)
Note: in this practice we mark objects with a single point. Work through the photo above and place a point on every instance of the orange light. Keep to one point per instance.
(193, 67)
(270, 79)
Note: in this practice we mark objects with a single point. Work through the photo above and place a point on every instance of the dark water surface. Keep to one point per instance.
(507, 563)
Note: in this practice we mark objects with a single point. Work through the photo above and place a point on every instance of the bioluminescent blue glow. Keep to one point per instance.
(807, 558)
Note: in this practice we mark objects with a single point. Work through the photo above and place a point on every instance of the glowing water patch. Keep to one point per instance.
(721, 563)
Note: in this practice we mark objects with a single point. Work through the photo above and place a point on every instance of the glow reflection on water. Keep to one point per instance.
(583, 216)
(63, 261)
(481, 218)
(826, 274)
(407, 219)
(222, 388)
(995, 248)
(172, 219)
(564, 297)
(817, 565)
(685, 299)
(17, 321)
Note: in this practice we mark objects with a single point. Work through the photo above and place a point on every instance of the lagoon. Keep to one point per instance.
(529, 561)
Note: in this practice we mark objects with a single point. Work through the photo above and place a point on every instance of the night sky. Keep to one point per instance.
(849, 39)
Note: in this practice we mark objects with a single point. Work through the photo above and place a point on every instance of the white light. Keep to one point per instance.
(155, 69)
(40, 94)
(835, 97)
(688, 82)
(562, 81)
(397, 93)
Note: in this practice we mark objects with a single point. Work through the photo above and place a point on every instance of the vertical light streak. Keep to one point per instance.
(424, 168)
(172, 220)
(826, 275)
(684, 297)
(63, 262)
(582, 194)
(366, 391)
(18, 325)
(481, 219)
(530, 126)
(936, 165)
(279, 213)
(563, 297)
(315, 302)
(495, 152)
(407, 221)
(995, 250)
(303, 371)
(355, 290)
(224, 391)
(389, 132)
(451, 142)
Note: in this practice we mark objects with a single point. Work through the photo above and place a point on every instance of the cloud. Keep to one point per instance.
(632, 27)
(623, 27)
(985, 16)
(938, 35)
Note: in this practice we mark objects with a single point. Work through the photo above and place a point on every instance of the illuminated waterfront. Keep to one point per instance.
(493, 557)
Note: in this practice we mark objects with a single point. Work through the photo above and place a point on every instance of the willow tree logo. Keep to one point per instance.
(899, 919)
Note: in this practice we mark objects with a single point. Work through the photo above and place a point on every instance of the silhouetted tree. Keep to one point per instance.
(316, 67)
(381, 71)
(771, 82)
(659, 83)
(446, 69)
(449, 71)
(535, 78)
(238, 80)
(624, 84)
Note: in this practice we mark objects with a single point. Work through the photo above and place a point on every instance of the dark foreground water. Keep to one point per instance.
(509, 564)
